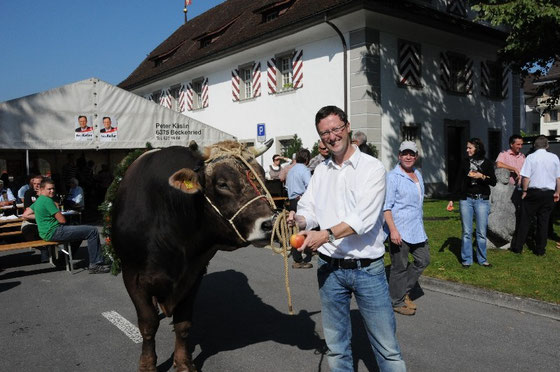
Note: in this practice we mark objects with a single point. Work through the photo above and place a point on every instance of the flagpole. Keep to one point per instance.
(185, 10)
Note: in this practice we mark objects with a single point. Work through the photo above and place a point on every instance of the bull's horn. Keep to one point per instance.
(261, 148)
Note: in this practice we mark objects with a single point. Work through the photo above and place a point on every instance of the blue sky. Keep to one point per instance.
(46, 44)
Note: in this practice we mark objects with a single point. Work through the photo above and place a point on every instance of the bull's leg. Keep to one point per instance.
(148, 321)
(182, 320)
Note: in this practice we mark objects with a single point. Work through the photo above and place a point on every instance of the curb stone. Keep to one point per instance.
(522, 304)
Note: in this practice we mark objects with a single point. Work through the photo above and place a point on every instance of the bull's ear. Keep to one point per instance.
(185, 180)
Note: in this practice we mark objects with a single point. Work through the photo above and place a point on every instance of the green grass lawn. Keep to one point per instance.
(524, 275)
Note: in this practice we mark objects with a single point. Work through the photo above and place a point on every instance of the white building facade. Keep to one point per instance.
(398, 77)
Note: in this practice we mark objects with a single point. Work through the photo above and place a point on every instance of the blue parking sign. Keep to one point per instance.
(261, 132)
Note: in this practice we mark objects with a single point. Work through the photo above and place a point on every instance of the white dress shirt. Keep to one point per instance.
(352, 193)
(542, 167)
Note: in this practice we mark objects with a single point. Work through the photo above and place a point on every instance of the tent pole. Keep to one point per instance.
(27, 160)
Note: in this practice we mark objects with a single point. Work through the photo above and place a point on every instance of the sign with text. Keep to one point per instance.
(261, 132)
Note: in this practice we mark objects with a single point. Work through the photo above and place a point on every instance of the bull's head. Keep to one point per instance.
(234, 187)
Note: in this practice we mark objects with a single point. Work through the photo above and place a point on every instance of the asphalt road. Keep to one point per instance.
(51, 320)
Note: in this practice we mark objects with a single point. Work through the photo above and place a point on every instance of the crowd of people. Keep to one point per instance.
(44, 215)
(350, 205)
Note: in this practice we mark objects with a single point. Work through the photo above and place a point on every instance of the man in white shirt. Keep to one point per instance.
(540, 187)
(75, 197)
(345, 198)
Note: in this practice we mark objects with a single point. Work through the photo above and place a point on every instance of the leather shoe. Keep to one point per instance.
(404, 310)
(408, 302)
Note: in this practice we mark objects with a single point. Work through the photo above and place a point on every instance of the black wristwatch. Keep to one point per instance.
(331, 236)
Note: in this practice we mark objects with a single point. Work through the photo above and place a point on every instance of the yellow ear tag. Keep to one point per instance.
(189, 185)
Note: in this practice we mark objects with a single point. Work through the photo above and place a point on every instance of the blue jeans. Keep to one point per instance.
(479, 208)
(369, 285)
(66, 234)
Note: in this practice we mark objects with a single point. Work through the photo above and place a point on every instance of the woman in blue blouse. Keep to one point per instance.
(404, 218)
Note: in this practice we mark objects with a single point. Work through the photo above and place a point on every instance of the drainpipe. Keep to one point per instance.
(345, 52)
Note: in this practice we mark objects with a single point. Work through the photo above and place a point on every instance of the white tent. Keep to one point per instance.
(50, 120)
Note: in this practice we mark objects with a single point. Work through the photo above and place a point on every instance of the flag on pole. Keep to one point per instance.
(188, 2)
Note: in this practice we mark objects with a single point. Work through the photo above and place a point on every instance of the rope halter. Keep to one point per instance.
(238, 153)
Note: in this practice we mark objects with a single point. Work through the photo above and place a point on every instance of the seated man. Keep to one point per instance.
(6, 195)
(50, 222)
(75, 198)
(29, 228)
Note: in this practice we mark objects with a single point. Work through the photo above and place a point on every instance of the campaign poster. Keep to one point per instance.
(109, 129)
(83, 131)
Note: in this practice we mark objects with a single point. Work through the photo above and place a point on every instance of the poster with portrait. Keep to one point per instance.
(83, 131)
(108, 131)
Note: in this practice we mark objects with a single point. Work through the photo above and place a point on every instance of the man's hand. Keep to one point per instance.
(396, 237)
(293, 219)
(556, 197)
(313, 239)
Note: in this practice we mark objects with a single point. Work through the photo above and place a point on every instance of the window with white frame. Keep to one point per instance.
(551, 116)
(174, 90)
(286, 71)
(197, 93)
(246, 77)
(456, 73)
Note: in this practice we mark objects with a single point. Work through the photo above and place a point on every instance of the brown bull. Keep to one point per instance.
(174, 209)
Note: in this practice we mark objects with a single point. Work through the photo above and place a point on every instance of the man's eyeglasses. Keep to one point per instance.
(322, 149)
(335, 131)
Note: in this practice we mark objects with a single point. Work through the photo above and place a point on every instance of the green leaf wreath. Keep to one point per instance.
(107, 206)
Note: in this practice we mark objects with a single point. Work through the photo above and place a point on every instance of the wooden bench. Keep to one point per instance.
(10, 225)
(10, 233)
(42, 243)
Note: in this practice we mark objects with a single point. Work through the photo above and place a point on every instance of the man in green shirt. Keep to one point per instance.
(51, 225)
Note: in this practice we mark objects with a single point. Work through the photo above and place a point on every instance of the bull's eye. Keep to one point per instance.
(222, 185)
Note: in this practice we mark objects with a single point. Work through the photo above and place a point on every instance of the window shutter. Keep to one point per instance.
(444, 72)
(235, 85)
(165, 98)
(182, 104)
(271, 75)
(505, 81)
(484, 79)
(297, 69)
(189, 96)
(205, 93)
(256, 74)
(410, 67)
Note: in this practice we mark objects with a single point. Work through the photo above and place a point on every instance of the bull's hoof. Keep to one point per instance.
(187, 366)
(147, 368)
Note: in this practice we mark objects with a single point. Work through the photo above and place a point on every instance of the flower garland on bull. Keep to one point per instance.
(107, 205)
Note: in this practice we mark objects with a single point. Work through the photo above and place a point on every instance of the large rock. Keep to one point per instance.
(501, 221)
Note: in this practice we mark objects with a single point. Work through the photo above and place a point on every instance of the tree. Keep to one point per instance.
(533, 40)
(293, 146)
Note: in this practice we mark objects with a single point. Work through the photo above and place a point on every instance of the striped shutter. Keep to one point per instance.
(189, 96)
(505, 81)
(297, 69)
(484, 79)
(165, 98)
(149, 97)
(271, 75)
(469, 73)
(182, 103)
(235, 85)
(444, 72)
(457, 7)
(256, 74)
(410, 65)
(205, 93)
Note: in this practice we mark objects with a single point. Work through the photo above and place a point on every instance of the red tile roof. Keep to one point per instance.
(237, 24)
